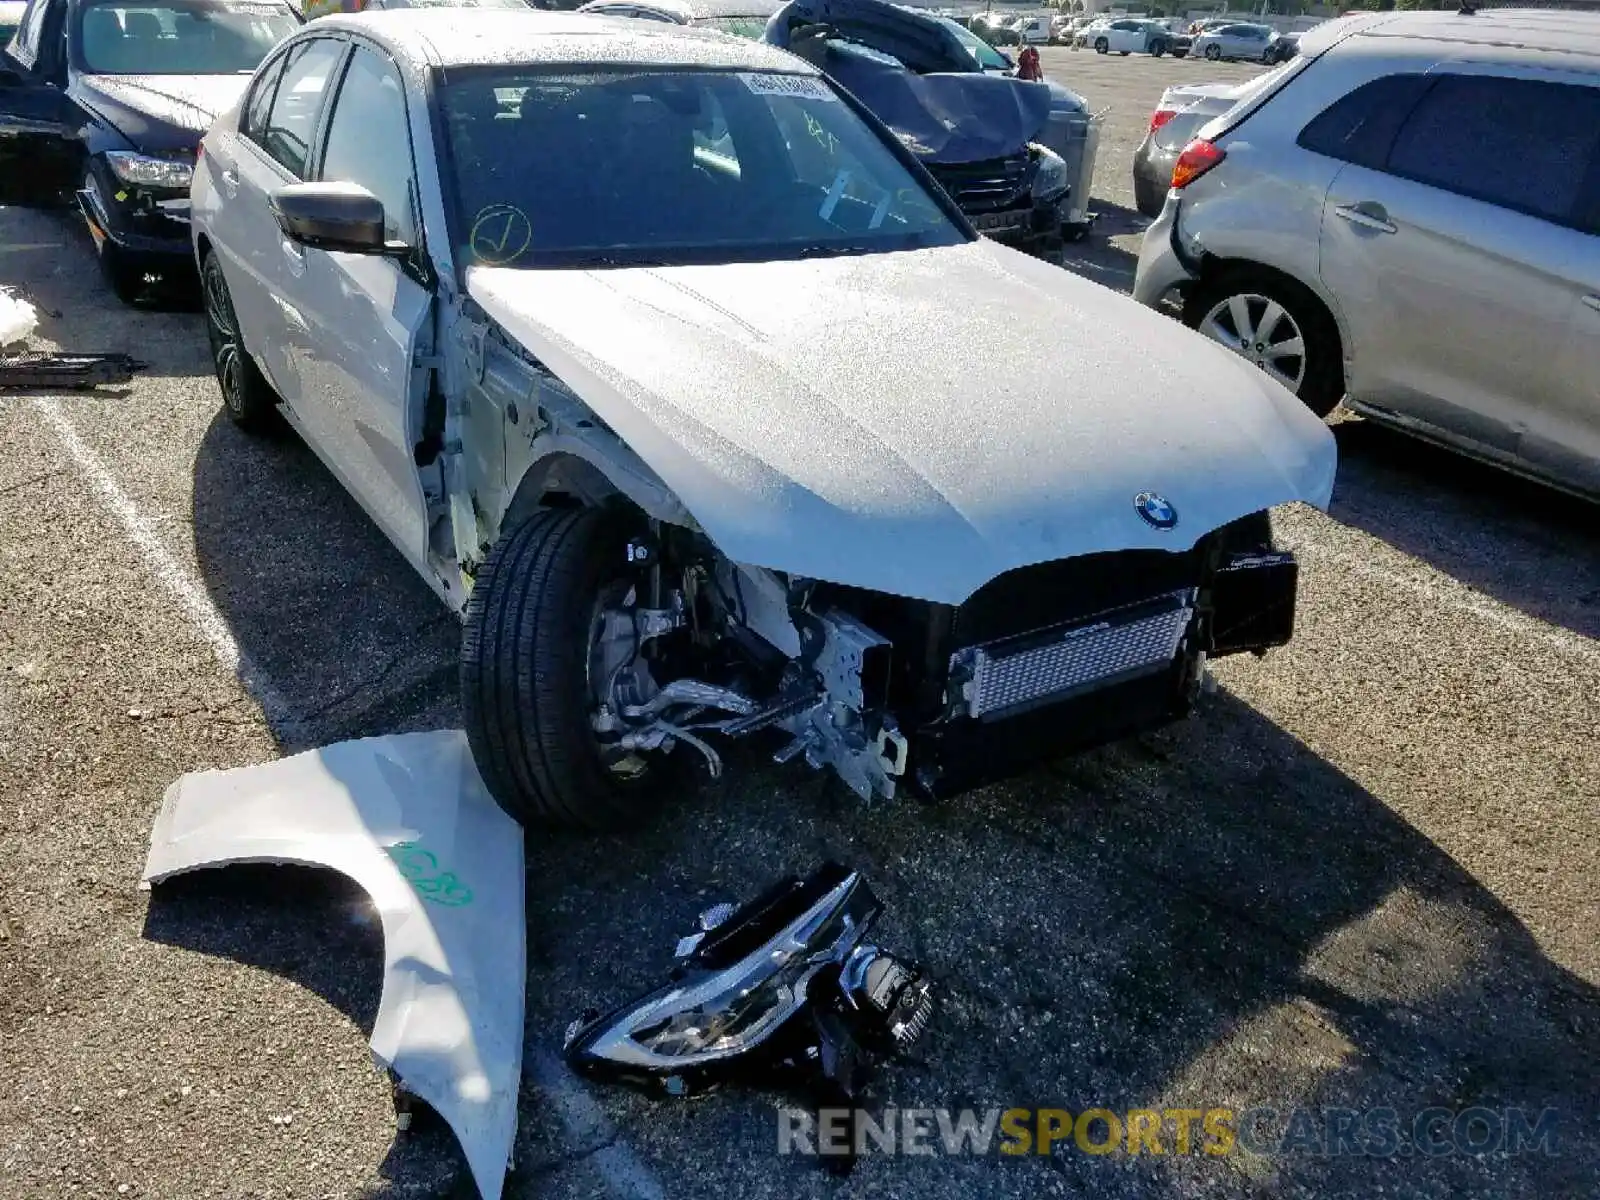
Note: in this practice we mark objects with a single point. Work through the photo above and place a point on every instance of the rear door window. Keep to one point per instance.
(298, 103)
(253, 121)
(1522, 144)
(1361, 126)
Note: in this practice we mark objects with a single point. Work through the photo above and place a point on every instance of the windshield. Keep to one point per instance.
(659, 168)
(986, 56)
(180, 37)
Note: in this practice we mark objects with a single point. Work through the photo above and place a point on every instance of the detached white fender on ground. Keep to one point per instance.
(408, 818)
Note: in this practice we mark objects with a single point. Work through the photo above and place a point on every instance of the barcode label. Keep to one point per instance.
(801, 87)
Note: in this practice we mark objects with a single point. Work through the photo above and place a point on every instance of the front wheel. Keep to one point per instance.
(1277, 325)
(1101, 46)
(1213, 53)
(532, 668)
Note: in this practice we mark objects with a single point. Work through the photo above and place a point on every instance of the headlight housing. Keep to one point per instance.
(145, 170)
(785, 975)
(1050, 180)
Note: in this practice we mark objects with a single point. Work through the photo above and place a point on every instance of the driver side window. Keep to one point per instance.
(369, 140)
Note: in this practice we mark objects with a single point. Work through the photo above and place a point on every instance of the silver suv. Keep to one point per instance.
(1408, 216)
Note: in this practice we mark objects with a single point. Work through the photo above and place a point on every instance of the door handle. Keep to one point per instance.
(295, 255)
(1367, 215)
(230, 181)
(1593, 302)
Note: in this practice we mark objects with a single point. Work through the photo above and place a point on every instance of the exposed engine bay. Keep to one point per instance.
(894, 694)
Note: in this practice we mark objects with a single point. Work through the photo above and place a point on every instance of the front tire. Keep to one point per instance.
(1278, 325)
(525, 666)
(1101, 46)
(1213, 53)
(247, 397)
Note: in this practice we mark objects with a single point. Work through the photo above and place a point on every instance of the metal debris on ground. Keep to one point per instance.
(37, 371)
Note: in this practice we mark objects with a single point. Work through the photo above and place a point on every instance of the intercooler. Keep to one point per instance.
(1003, 677)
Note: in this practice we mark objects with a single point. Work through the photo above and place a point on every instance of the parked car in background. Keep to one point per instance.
(743, 18)
(1181, 111)
(1085, 34)
(1281, 48)
(1137, 35)
(106, 100)
(10, 17)
(488, 303)
(1231, 42)
(1017, 156)
(1407, 216)
(1034, 30)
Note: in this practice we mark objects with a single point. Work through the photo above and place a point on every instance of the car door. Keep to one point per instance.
(367, 311)
(278, 134)
(1454, 261)
(40, 151)
(1564, 437)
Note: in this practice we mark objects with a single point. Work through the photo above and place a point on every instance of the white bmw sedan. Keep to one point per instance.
(675, 375)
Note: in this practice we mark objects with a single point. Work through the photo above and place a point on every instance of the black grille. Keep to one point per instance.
(1053, 593)
(986, 186)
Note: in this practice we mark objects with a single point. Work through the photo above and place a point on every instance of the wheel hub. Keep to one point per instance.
(1262, 331)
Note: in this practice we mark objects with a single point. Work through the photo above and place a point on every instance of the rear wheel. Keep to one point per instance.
(247, 397)
(1277, 325)
(528, 675)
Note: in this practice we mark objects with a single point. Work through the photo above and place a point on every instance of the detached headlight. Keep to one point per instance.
(143, 170)
(1050, 179)
(787, 977)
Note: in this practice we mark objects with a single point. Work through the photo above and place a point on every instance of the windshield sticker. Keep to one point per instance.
(801, 87)
(831, 201)
(500, 234)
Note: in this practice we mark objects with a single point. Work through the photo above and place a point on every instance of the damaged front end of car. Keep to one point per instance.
(894, 694)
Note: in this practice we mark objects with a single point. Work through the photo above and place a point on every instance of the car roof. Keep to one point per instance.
(502, 37)
(1518, 29)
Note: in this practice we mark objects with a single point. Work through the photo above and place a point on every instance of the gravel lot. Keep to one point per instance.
(1365, 877)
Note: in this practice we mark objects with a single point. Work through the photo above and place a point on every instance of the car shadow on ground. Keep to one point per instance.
(1212, 915)
(1518, 541)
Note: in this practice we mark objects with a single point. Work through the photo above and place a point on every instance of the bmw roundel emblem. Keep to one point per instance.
(1156, 510)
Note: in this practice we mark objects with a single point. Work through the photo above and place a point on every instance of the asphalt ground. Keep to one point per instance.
(1364, 878)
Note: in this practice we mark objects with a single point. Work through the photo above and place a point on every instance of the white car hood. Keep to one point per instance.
(915, 423)
(408, 818)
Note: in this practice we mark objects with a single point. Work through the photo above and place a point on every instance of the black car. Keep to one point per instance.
(1009, 152)
(104, 102)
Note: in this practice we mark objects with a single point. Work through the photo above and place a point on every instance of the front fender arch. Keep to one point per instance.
(563, 466)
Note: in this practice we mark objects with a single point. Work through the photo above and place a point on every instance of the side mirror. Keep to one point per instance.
(332, 216)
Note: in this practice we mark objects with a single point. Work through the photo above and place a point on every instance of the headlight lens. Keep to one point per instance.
(733, 1001)
(1050, 178)
(143, 170)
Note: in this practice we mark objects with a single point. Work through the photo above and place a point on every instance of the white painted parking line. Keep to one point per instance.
(180, 583)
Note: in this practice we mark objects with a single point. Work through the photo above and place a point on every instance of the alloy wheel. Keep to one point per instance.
(1259, 329)
(221, 325)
